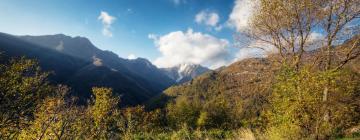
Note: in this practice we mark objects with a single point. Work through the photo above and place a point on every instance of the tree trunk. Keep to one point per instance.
(325, 98)
(326, 116)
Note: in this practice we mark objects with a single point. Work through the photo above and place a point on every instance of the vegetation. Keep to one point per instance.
(294, 94)
(22, 88)
(297, 107)
(293, 110)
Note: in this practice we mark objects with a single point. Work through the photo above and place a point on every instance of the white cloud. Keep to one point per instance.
(132, 56)
(106, 20)
(315, 36)
(107, 32)
(314, 41)
(191, 47)
(239, 19)
(244, 53)
(207, 18)
(256, 49)
(242, 14)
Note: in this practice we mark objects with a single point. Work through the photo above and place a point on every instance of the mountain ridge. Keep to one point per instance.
(184, 72)
(82, 74)
(83, 48)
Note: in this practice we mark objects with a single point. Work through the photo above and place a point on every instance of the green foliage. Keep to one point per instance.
(295, 109)
(202, 120)
(203, 105)
(219, 113)
(183, 134)
(22, 88)
(297, 106)
(104, 105)
(57, 117)
(102, 115)
(135, 120)
(183, 112)
(54, 119)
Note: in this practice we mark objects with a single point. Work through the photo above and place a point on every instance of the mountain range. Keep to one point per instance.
(184, 72)
(76, 62)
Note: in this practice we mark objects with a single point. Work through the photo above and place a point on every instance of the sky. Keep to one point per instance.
(167, 32)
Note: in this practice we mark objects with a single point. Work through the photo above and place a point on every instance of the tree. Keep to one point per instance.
(55, 118)
(297, 98)
(290, 25)
(183, 111)
(103, 114)
(336, 18)
(22, 87)
(286, 25)
(135, 120)
(339, 21)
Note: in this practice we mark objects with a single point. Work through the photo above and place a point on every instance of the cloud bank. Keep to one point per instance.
(191, 47)
(106, 20)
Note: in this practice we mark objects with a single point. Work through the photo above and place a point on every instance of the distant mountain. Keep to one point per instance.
(79, 47)
(184, 72)
(241, 79)
(131, 92)
(76, 62)
(147, 70)
(140, 69)
(61, 64)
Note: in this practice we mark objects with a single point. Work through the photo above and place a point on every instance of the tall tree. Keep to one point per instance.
(103, 113)
(286, 25)
(336, 18)
(291, 27)
(294, 27)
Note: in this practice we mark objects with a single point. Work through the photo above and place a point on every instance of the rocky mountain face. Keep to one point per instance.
(76, 62)
(184, 72)
(80, 47)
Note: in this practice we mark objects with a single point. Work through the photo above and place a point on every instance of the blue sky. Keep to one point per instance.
(134, 21)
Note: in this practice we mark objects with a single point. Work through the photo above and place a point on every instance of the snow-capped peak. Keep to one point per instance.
(185, 72)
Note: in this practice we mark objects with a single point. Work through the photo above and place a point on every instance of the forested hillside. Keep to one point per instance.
(253, 92)
(305, 86)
